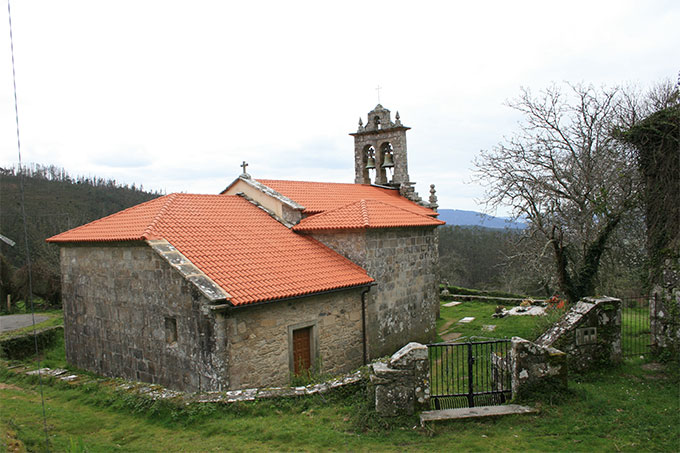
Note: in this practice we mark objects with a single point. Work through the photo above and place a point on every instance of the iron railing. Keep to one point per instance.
(469, 374)
(635, 327)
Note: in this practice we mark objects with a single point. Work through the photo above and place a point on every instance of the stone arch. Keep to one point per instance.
(368, 151)
(385, 149)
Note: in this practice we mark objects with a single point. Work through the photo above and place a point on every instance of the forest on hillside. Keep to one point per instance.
(473, 257)
(506, 260)
(54, 202)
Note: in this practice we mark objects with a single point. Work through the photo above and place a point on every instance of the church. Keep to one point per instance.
(267, 280)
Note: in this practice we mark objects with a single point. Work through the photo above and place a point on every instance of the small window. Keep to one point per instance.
(586, 335)
(170, 330)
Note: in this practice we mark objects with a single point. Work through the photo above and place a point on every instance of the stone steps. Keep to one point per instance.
(474, 412)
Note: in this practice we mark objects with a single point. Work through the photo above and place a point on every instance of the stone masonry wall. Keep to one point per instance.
(403, 306)
(259, 337)
(121, 306)
(589, 333)
(536, 368)
(401, 385)
(665, 308)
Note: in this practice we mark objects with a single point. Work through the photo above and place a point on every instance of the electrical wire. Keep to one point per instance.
(23, 217)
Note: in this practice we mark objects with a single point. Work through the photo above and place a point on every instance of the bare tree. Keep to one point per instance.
(565, 173)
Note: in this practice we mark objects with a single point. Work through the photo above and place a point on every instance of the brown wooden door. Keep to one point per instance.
(302, 350)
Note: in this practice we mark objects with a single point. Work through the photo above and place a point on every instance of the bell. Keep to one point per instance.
(370, 164)
(389, 162)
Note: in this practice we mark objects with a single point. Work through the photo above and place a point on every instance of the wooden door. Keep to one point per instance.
(302, 350)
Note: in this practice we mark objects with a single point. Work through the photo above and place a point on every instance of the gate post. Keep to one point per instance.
(401, 386)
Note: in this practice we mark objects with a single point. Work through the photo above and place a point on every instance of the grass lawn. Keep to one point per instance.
(449, 327)
(631, 407)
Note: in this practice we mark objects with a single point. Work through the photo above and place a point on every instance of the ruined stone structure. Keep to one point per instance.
(245, 289)
(589, 333)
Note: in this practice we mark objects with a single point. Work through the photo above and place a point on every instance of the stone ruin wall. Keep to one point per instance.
(116, 301)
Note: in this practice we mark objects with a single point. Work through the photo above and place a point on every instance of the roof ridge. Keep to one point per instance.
(102, 219)
(364, 212)
(401, 209)
(148, 231)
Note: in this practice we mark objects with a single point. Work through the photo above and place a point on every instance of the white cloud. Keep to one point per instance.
(174, 95)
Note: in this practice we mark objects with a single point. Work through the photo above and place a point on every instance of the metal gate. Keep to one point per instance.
(469, 374)
(635, 326)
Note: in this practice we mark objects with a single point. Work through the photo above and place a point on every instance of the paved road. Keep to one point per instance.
(13, 322)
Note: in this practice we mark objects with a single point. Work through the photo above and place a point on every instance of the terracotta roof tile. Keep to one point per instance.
(365, 214)
(319, 197)
(250, 255)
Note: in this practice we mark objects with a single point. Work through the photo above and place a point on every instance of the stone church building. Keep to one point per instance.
(266, 280)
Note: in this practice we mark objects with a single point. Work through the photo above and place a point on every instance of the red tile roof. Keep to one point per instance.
(249, 254)
(365, 214)
(319, 197)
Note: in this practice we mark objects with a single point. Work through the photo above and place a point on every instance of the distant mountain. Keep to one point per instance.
(472, 218)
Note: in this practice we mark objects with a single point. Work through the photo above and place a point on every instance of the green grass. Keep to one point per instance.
(625, 408)
(632, 407)
(482, 311)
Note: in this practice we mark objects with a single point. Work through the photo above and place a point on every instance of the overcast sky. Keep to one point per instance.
(174, 95)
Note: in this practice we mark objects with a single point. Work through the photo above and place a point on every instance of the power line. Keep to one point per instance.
(23, 217)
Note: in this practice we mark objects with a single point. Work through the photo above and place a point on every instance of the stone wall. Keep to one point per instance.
(536, 368)
(665, 308)
(404, 305)
(259, 337)
(128, 313)
(401, 385)
(589, 333)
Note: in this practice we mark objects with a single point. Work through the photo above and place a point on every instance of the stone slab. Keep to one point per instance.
(467, 319)
(474, 412)
(452, 304)
(489, 328)
(451, 336)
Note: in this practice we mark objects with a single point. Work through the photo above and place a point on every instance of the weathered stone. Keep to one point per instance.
(589, 333)
(536, 367)
(401, 385)
(406, 357)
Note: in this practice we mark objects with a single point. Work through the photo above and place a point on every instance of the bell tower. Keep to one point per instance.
(380, 150)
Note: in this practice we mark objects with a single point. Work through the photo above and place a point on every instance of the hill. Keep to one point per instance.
(459, 217)
(55, 202)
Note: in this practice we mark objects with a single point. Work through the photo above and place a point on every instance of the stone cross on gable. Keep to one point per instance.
(244, 165)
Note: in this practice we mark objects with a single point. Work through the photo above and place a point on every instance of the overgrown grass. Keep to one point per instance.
(625, 408)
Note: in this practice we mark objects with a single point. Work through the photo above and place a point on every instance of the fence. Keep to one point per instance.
(469, 374)
(635, 327)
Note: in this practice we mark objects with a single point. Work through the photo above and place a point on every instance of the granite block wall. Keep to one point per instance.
(403, 306)
(128, 313)
(260, 353)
